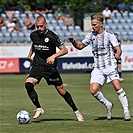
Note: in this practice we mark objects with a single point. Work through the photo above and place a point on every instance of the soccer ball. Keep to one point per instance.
(23, 117)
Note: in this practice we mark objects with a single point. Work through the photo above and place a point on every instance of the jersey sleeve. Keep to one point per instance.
(114, 40)
(55, 40)
(87, 39)
(58, 42)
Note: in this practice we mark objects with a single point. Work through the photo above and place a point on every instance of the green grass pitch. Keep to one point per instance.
(58, 117)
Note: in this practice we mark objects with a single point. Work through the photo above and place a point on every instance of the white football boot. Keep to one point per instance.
(109, 111)
(39, 112)
(79, 116)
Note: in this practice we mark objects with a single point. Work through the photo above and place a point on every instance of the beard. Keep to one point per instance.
(40, 32)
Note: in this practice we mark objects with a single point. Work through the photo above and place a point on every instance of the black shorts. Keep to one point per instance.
(118, 61)
(51, 75)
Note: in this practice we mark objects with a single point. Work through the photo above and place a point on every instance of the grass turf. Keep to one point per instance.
(58, 117)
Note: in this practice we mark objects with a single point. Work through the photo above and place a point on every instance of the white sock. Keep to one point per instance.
(123, 99)
(100, 97)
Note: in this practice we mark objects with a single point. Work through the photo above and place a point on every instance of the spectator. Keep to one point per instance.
(14, 19)
(122, 8)
(48, 8)
(107, 13)
(2, 22)
(29, 22)
(33, 6)
(59, 14)
(9, 14)
(10, 25)
(115, 11)
(18, 26)
(39, 10)
(69, 21)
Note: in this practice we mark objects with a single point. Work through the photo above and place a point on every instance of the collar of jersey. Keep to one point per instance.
(46, 31)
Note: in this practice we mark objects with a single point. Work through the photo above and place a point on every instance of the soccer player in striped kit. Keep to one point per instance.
(103, 43)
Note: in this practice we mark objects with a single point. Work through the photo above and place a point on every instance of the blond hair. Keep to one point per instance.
(97, 16)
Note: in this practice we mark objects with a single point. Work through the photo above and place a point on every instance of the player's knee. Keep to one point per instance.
(93, 91)
(94, 88)
(61, 89)
(29, 86)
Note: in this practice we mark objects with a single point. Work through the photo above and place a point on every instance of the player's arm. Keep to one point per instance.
(30, 54)
(63, 50)
(116, 45)
(118, 52)
(77, 45)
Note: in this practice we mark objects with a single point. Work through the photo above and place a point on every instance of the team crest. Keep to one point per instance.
(46, 39)
(105, 39)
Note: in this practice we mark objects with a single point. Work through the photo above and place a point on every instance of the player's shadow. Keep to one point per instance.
(47, 120)
(113, 118)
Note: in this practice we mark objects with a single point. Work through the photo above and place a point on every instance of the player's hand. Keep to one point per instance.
(50, 60)
(71, 39)
(31, 59)
(117, 56)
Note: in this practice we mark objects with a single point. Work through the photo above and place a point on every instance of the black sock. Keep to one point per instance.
(69, 100)
(120, 74)
(32, 94)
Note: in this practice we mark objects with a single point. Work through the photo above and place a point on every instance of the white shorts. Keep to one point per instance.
(99, 75)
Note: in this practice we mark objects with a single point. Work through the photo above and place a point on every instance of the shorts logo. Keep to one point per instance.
(46, 39)
(116, 76)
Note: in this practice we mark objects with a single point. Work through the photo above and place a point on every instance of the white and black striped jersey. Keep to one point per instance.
(102, 48)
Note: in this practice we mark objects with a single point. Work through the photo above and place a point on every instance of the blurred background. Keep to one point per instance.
(65, 18)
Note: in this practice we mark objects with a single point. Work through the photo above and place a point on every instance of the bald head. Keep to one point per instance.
(41, 24)
(41, 18)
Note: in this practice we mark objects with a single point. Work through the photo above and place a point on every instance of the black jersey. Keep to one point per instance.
(44, 46)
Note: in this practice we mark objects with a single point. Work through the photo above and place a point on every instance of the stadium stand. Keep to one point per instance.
(7, 37)
(78, 28)
(21, 37)
(14, 37)
(1, 38)
(27, 37)
(4, 29)
(120, 23)
(61, 23)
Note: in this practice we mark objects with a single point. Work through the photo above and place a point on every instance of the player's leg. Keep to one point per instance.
(29, 85)
(114, 76)
(66, 95)
(55, 79)
(97, 80)
(122, 97)
(68, 98)
(120, 72)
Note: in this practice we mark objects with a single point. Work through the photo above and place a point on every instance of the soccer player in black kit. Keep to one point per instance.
(44, 43)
